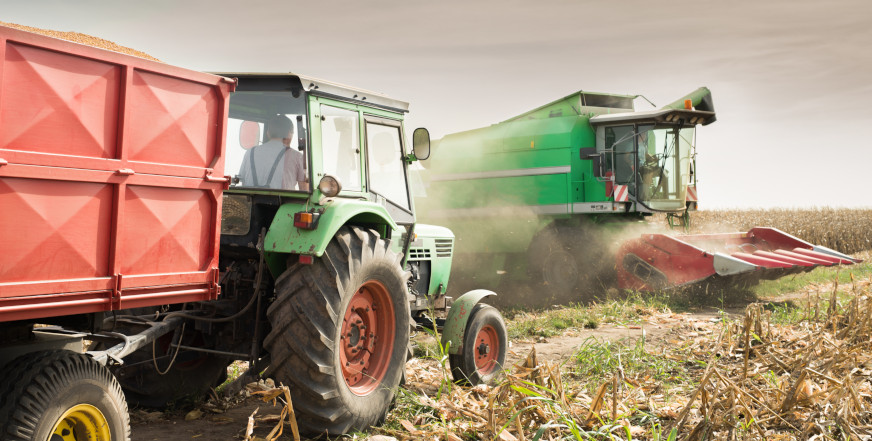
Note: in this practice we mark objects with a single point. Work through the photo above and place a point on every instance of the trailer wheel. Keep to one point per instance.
(484, 348)
(61, 396)
(340, 331)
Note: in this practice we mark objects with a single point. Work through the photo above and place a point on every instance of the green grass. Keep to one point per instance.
(550, 322)
(597, 360)
(797, 282)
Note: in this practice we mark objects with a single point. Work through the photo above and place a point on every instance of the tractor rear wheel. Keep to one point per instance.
(484, 347)
(340, 330)
(61, 396)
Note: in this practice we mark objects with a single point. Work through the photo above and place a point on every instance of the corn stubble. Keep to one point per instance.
(751, 378)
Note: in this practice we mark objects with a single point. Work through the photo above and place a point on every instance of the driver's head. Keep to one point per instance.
(279, 127)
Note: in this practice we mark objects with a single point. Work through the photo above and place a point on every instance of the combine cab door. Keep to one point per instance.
(620, 158)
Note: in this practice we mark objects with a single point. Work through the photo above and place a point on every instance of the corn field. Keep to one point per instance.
(846, 230)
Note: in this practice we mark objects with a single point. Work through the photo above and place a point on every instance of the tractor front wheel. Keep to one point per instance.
(340, 329)
(484, 347)
(61, 396)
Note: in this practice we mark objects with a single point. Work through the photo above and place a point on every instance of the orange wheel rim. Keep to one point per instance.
(367, 337)
(487, 350)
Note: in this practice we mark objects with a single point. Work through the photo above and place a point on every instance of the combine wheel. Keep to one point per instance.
(340, 330)
(484, 347)
(572, 263)
(61, 396)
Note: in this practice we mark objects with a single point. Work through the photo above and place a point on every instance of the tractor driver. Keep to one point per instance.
(260, 166)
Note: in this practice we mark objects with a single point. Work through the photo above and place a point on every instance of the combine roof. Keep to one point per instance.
(578, 103)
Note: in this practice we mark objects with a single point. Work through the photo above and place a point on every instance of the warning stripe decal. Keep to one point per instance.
(621, 193)
(691, 194)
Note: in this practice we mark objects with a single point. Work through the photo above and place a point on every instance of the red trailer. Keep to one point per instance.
(111, 180)
(111, 172)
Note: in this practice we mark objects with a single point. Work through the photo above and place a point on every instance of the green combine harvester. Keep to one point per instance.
(552, 195)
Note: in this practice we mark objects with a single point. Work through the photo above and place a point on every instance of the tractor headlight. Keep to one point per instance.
(329, 186)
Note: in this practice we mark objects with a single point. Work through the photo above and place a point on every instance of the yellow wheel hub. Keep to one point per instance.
(81, 422)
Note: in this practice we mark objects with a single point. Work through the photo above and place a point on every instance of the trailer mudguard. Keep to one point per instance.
(284, 238)
(455, 324)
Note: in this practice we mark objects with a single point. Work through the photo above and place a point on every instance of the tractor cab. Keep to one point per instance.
(274, 118)
(317, 152)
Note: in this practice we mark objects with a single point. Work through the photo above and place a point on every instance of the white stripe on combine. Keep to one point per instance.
(503, 173)
(508, 211)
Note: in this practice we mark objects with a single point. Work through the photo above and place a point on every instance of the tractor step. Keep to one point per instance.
(659, 261)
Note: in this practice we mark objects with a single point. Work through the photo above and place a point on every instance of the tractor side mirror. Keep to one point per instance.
(421, 143)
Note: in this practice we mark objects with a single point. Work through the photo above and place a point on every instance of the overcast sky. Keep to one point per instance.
(791, 79)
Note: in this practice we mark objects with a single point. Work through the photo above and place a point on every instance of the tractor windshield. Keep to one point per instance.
(664, 155)
(263, 141)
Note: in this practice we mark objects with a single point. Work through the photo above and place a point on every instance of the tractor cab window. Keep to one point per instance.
(340, 143)
(385, 165)
(266, 132)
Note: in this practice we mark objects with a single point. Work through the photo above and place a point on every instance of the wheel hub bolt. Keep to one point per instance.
(483, 349)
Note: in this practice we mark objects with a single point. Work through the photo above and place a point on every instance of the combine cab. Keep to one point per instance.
(658, 261)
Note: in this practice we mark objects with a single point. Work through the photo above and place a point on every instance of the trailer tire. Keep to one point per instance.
(485, 344)
(319, 333)
(48, 393)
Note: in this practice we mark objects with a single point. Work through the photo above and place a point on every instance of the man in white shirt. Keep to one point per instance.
(272, 164)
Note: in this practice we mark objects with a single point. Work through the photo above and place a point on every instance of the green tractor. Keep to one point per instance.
(342, 272)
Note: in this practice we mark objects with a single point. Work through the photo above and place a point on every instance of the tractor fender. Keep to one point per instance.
(458, 316)
(284, 238)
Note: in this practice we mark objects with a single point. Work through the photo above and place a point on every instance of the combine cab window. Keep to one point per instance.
(653, 161)
(664, 158)
(387, 176)
(340, 141)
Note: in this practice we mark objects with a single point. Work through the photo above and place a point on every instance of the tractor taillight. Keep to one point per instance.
(306, 259)
(306, 220)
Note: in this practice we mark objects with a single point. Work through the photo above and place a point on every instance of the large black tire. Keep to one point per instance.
(57, 393)
(485, 344)
(572, 264)
(319, 328)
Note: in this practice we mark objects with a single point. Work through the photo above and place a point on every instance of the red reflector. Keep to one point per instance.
(306, 260)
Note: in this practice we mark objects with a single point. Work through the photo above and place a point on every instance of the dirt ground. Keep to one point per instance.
(231, 423)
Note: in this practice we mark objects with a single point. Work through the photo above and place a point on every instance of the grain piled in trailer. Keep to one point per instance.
(85, 39)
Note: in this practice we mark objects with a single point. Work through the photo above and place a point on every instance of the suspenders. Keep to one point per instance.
(272, 171)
